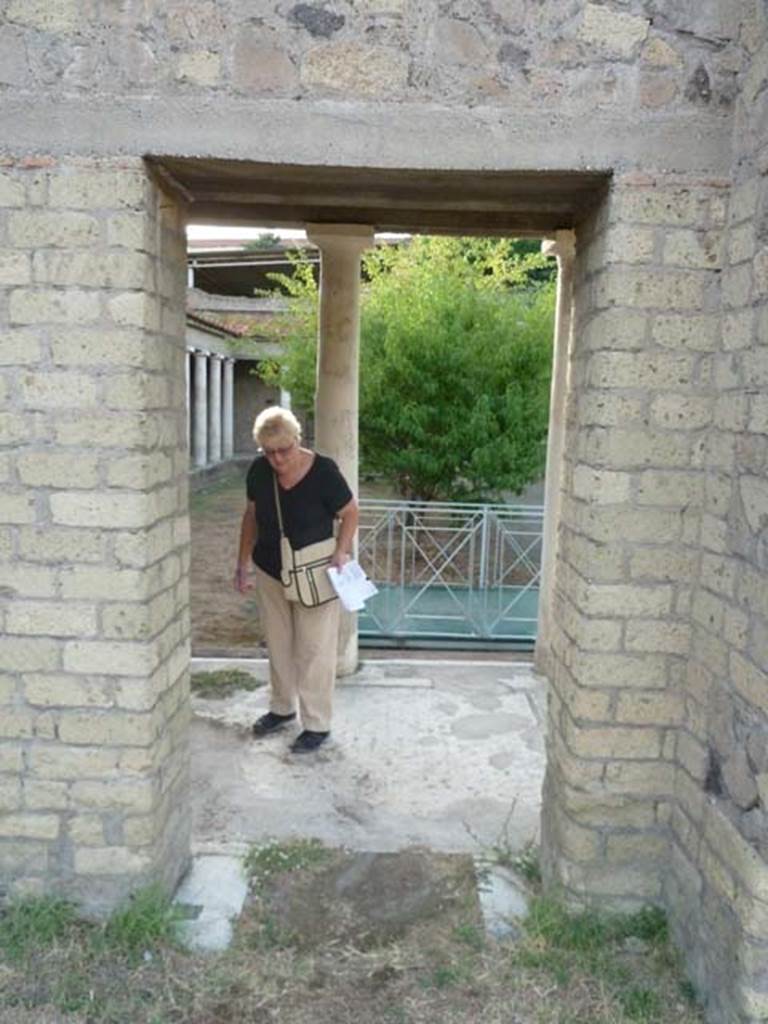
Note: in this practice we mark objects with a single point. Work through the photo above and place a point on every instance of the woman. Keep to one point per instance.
(302, 642)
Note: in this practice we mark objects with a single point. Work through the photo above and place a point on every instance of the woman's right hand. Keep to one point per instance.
(241, 581)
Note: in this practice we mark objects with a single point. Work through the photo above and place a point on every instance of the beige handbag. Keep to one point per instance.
(303, 570)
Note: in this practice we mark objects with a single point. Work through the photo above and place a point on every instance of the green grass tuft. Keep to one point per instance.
(276, 858)
(34, 922)
(146, 921)
(223, 683)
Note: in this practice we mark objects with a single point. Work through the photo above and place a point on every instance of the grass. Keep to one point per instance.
(570, 967)
(223, 683)
(266, 861)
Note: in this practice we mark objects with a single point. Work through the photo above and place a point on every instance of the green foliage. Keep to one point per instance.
(145, 922)
(34, 922)
(275, 858)
(223, 683)
(455, 365)
(266, 240)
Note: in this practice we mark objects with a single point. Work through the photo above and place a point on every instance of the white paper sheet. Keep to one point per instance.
(352, 585)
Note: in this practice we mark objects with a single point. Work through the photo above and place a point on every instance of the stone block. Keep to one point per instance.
(108, 430)
(627, 599)
(14, 428)
(744, 201)
(103, 582)
(15, 268)
(719, 574)
(613, 33)
(137, 391)
(58, 390)
(109, 658)
(741, 243)
(681, 412)
(57, 469)
(621, 743)
(620, 671)
(107, 511)
(45, 796)
(749, 681)
(664, 709)
(628, 449)
(694, 249)
(696, 333)
(60, 544)
(41, 618)
(105, 187)
(755, 369)
(53, 761)
(29, 654)
(658, 370)
(41, 306)
(587, 704)
(17, 508)
(669, 487)
(134, 309)
(19, 348)
(111, 860)
(86, 830)
(141, 551)
(676, 207)
(55, 16)
(614, 329)
(659, 636)
(200, 67)
(35, 229)
(60, 690)
(636, 847)
(354, 69)
(459, 42)
(659, 54)
(12, 191)
(650, 289)
(260, 67)
(633, 779)
(601, 486)
(609, 409)
(94, 269)
(737, 286)
(107, 728)
(10, 794)
(738, 330)
(136, 795)
(29, 826)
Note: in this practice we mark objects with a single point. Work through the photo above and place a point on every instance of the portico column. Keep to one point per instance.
(338, 351)
(200, 410)
(214, 408)
(564, 248)
(188, 354)
(228, 414)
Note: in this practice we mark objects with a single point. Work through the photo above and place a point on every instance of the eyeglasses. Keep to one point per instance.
(271, 452)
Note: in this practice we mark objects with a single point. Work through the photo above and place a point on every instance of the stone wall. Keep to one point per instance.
(718, 888)
(657, 768)
(646, 322)
(94, 543)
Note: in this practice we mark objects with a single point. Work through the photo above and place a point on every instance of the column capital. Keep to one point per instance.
(346, 237)
(563, 245)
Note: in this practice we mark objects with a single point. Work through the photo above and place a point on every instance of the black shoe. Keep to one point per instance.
(308, 741)
(271, 723)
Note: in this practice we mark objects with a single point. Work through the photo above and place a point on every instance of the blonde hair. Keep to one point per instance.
(274, 424)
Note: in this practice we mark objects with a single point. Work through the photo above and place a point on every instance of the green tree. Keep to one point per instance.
(265, 240)
(455, 365)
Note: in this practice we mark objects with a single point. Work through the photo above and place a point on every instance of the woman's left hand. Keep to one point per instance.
(339, 559)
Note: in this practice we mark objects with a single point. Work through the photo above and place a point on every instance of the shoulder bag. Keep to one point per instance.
(303, 570)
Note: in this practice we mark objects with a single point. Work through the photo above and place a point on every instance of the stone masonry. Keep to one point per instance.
(657, 780)
(94, 647)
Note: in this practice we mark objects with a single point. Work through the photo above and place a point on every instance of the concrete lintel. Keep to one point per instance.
(356, 134)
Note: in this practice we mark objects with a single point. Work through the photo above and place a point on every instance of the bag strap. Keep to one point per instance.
(277, 505)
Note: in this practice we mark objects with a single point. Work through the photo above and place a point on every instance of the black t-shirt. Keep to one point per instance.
(309, 509)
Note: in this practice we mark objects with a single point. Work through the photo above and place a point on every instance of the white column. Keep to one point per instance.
(564, 248)
(188, 378)
(214, 408)
(228, 411)
(285, 398)
(338, 352)
(200, 410)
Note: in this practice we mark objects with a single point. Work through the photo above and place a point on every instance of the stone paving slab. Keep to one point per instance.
(444, 754)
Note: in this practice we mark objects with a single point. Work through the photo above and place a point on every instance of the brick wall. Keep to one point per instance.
(94, 535)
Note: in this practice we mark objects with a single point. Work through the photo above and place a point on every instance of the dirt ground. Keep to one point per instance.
(223, 621)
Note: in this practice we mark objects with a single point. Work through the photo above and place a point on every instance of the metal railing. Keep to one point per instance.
(451, 572)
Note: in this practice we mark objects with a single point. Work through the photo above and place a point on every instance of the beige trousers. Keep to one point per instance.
(302, 644)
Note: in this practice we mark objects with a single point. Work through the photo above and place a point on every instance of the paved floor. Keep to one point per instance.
(442, 753)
